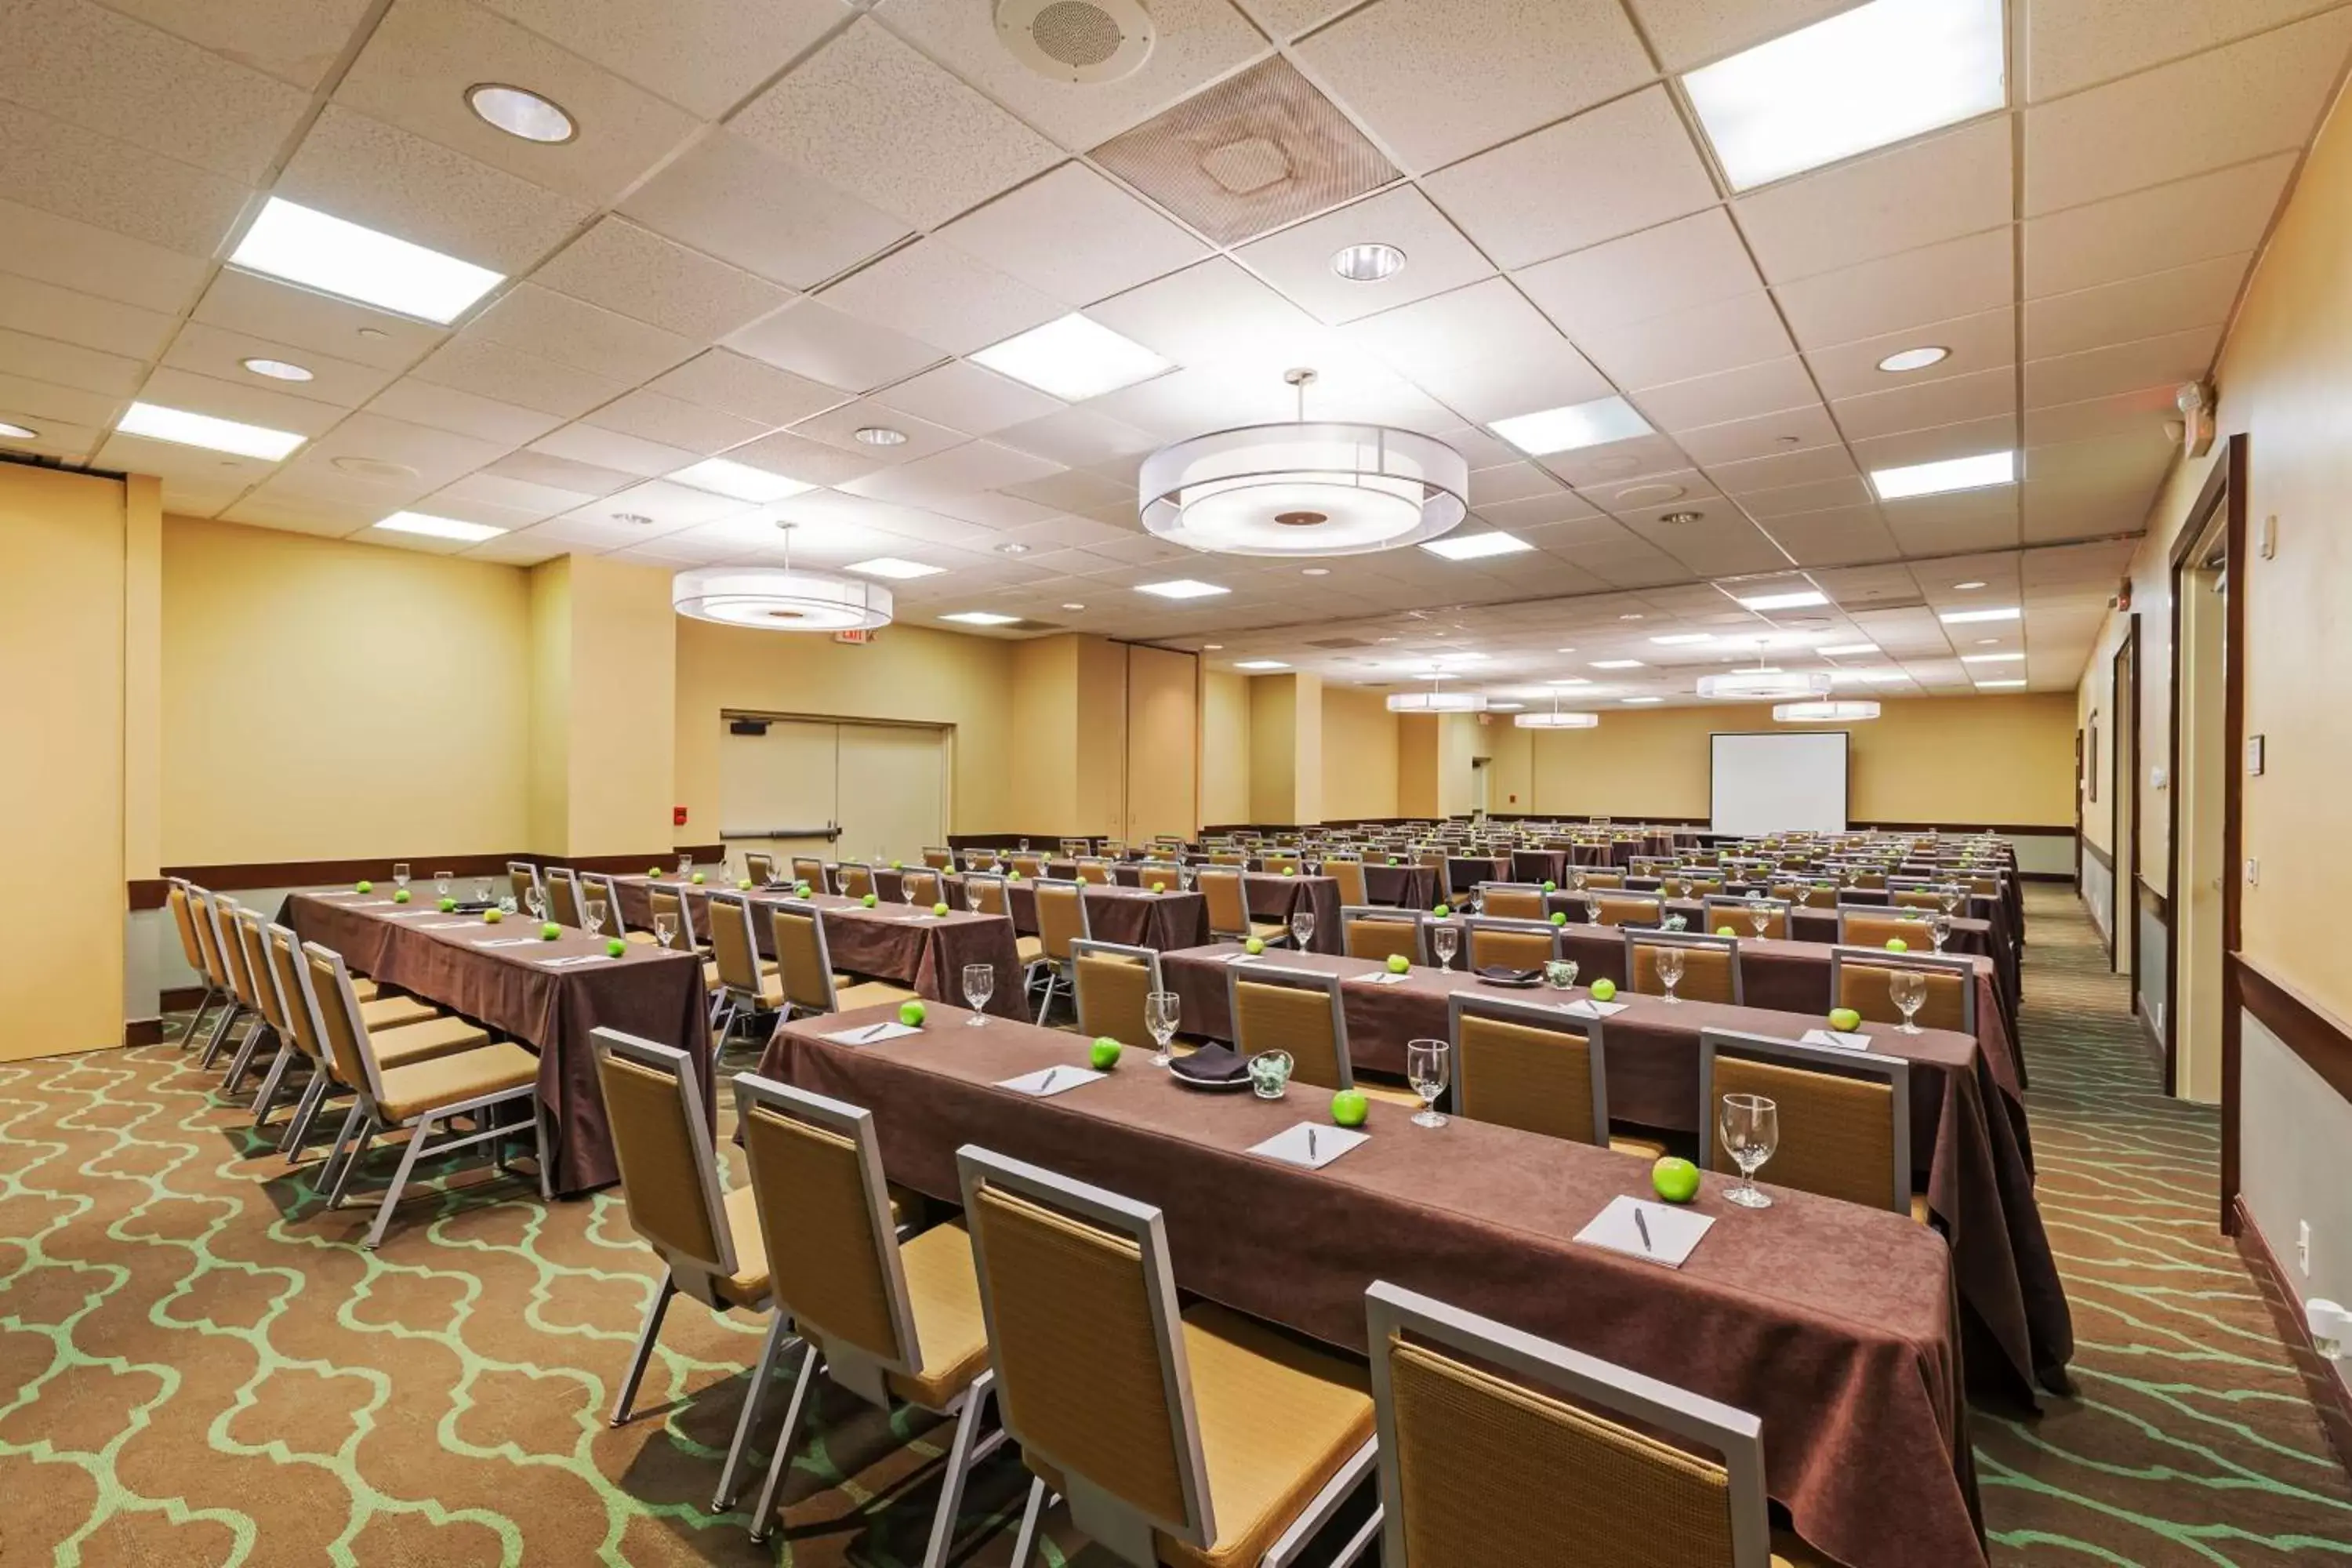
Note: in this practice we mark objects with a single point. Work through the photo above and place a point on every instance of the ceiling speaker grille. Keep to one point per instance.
(1252, 153)
(1077, 40)
(1075, 33)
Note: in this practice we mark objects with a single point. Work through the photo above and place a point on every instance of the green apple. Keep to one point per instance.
(1674, 1180)
(800, 889)
(1103, 1055)
(1440, 911)
(1348, 1108)
(698, 879)
(615, 947)
(549, 931)
(1394, 860)
(1399, 963)
(1897, 944)
(912, 1013)
(742, 884)
(1551, 886)
(653, 871)
(1604, 990)
(1290, 870)
(1725, 931)
(1254, 945)
(869, 901)
(363, 887)
(1158, 886)
(1560, 917)
(940, 909)
(1013, 875)
(1844, 1020)
(898, 865)
(401, 896)
(447, 905)
(492, 916)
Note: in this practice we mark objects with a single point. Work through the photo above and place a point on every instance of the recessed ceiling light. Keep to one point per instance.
(1074, 607)
(373, 334)
(1315, 571)
(739, 481)
(1846, 648)
(1181, 588)
(1804, 600)
(1477, 546)
(1505, 707)
(518, 111)
(635, 519)
(1367, 263)
(1072, 359)
(1680, 519)
(1578, 680)
(325, 253)
(1992, 658)
(1915, 358)
(1563, 650)
(1877, 74)
(1964, 587)
(1013, 547)
(1213, 647)
(275, 369)
(881, 436)
(1988, 642)
(981, 618)
(1639, 701)
(1616, 664)
(2000, 685)
(1683, 639)
(433, 527)
(1961, 617)
(891, 566)
(1979, 472)
(186, 429)
(13, 432)
(1568, 429)
(1630, 616)
(1259, 664)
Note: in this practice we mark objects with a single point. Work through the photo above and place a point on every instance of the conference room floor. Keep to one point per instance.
(197, 1368)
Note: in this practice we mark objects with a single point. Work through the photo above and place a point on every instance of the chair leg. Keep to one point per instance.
(1028, 1538)
(306, 1111)
(265, 1099)
(645, 1351)
(242, 1063)
(399, 1180)
(959, 1460)
(538, 1120)
(351, 1148)
(196, 1018)
(780, 1463)
(221, 1027)
(753, 1397)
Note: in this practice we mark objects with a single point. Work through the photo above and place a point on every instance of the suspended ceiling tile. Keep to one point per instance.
(108, 184)
(1790, 429)
(1757, 389)
(1870, 207)
(1297, 261)
(612, 449)
(1841, 536)
(66, 254)
(1205, 312)
(704, 56)
(296, 41)
(824, 345)
(745, 387)
(940, 296)
(633, 270)
(963, 396)
(730, 198)
(2198, 295)
(264, 307)
(28, 305)
(462, 413)
(1780, 469)
(2147, 409)
(218, 353)
(1741, 331)
(1975, 344)
(2220, 213)
(2118, 368)
(1484, 351)
(1675, 268)
(572, 332)
(1936, 443)
(651, 416)
(1688, 33)
(238, 400)
(1985, 395)
(1935, 283)
(511, 375)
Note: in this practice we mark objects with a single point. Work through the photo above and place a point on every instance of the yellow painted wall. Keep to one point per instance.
(546, 765)
(1163, 741)
(623, 694)
(1101, 721)
(1418, 764)
(1360, 754)
(63, 579)
(1273, 749)
(322, 699)
(1225, 747)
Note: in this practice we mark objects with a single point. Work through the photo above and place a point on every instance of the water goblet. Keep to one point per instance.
(591, 915)
(685, 867)
(665, 930)
(536, 902)
(1443, 940)
(1162, 1012)
(400, 873)
(1425, 1067)
(1908, 987)
(481, 889)
(979, 986)
(1939, 930)
(1302, 927)
(1749, 1125)
(1670, 971)
(441, 880)
(1761, 918)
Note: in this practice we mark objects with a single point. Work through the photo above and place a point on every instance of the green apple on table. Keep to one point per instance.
(800, 889)
(1604, 990)
(654, 871)
(912, 1013)
(1441, 912)
(493, 915)
(1348, 1108)
(742, 884)
(1158, 886)
(1103, 1055)
(363, 887)
(1674, 1179)
(939, 910)
(1725, 931)
(1551, 886)
(400, 896)
(1844, 1020)
(898, 865)
(1897, 944)
(1399, 963)
(549, 931)
(1560, 917)
(615, 947)
(448, 906)
(698, 879)
(867, 900)
(1254, 945)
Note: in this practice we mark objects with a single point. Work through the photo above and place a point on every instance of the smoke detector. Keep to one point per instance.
(1077, 40)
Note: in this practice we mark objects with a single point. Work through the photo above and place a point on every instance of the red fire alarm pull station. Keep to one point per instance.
(677, 816)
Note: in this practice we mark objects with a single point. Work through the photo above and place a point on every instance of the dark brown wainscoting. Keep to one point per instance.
(2324, 1384)
(2321, 1040)
(229, 879)
(179, 999)
(142, 1032)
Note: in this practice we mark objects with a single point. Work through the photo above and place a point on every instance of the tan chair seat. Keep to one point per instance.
(393, 1012)
(1269, 930)
(423, 1042)
(645, 939)
(1029, 949)
(870, 993)
(1388, 1093)
(710, 973)
(1648, 1148)
(1919, 1207)
(943, 1289)
(748, 1285)
(425, 1085)
(363, 989)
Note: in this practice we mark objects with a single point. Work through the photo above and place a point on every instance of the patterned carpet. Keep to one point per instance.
(198, 1369)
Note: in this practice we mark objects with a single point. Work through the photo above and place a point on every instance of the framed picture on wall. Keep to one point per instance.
(2091, 760)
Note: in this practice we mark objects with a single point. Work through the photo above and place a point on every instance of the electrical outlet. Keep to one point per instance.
(2302, 1247)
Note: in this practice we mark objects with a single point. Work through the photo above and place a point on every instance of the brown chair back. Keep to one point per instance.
(920, 887)
(1523, 1065)
(1916, 898)
(990, 888)
(1512, 901)
(1094, 872)
(1348, 873)
(1383, 934)
(809, 868)
(1292, 1010)
(1859, 980)
(804, 965)
(1061, 917)
(1228, 909)
(1512, 944)
(940, 859)
(185, 920)
(1717, 911)
(1032, 866)
(669, 1179)
(857, 878)
(292, 974)
(1112, 981)
(1710, 966)
(563, 898)
(732, 944)
(344, 1034)
(1631, 909)
(1844, 1116)
(1876, 928)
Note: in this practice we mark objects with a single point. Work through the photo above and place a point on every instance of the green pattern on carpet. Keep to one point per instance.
(199, 1368)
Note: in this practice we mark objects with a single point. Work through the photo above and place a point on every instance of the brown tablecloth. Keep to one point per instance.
(890, 941)
(646, 992)
(1406, 887)
(1831, 1323)
(1965, 1140)
(1272, 896)
(1162, 921)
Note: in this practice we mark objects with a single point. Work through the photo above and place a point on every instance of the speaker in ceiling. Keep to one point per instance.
(1077, 40)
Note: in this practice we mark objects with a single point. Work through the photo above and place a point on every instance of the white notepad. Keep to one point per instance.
(1309, 1144)
(1586, 1007)
(1384, 978)
(1837, 1039)
(405, 914)
(449, 925)
(507, 942)
(1674, 1232)
(872, 1034)
(573, 961)
(374, 904)
(1047, 1081)
(1246, 958)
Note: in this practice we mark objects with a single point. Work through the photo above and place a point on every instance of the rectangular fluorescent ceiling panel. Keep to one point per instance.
(1993, 658)
(1964, 617)
(1581, 425)
(1578, 680)
(1980, 472)
(158, 422)
(2000, 685)
(739, 481)
(1867, 677)
(1682, 639)
(1847, 649)
(1477, 546)
(1616, 664)
(432, 527)
(1181, 588)
(891, 566)
(1260, 664)
(308, 247)
(981, 618)
(1867, 78)
(1639, 701)
(1804, 600)
(1073, 359)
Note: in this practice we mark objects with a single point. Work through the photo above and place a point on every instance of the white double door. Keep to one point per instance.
(884, 786)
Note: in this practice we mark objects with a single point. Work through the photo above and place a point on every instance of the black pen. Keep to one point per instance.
(1310, 1142)
(1049, 1080)
(1643, 1226)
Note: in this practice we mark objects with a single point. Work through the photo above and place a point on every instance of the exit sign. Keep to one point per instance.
(860, 635)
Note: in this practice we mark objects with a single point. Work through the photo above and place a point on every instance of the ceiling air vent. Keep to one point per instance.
(1077, 40)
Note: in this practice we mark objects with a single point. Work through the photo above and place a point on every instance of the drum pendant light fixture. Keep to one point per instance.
(779, 600)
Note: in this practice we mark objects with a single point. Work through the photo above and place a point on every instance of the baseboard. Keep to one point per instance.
(179, 999)
(142, 1032)
(2321, 1379)
(2044, 876)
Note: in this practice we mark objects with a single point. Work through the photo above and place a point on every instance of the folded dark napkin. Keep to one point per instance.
(472, 907)
(1212, 1064)
(1504, 975)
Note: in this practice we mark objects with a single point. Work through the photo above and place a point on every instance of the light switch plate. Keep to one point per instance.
(2253, 872)
(2158, 778)
(2270, 537)
(2255, 747)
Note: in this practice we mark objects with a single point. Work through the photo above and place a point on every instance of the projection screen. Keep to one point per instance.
(1777, 781)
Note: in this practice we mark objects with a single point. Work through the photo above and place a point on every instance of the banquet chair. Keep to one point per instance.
(1493, 940)
(252, 936)
(393, 1045)
(475, 1083)
(1294, 1010)
(938, 859)
(1527, 1065)
(1601, 880)
(748, 988)
(522, 878)
(1167, 873)
(1030, 866)
(1110, 981)
(1186, 1435)
(1631, 909)
(1710, 965)
(980, 861)
(1285, 863)
(1227, 857)
(1512, 901)
(1915, 899)
(1229, 916)
(1348, 871)
(1375, 931)
(888, 1320)
(809, 868)
(1061, 920)
(563, 892)
(804, 981)
(1858, 979)
(220, 912)
(184, 919)
(1093, 870)
(710, 1245)
(1717, 910)
(1474, 1417)
(1076, 848)
(853, 879)
(1116, 848)
(1876, 928)
(989, 885)
(1844, 1116)
(920, 885)
(760, 866)
(605, 886)
(205, 908)
(1806, 894)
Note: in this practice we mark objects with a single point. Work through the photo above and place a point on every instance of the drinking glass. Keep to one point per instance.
(441, 884)
(1302, 927)
(979, 986)
(972, 896)
(1161, 1010)
(536, 902)
(481, 889)
(665, 930)
(1670, 971)
(400, 873)
(1443, 940)
(1184, 877)
(1759, 917)
(591, 915)
(1949, 895)
(1592, 908)
(1425, 1065)
(1576, 878)
(1269, 1073)
(1024, 847)
(1909, 989)
(685, 867)
(1939, 930)
(1560, 974)
(1751, 1128)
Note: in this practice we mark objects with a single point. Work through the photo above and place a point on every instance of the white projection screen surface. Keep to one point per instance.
(1776, 783)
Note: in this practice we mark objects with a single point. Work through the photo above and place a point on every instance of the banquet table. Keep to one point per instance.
(1136, 916)
(1405, 887)
(1832, 1322)
(906, 946)
(1275, 897)
(1968, 1127)
(441, 958)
